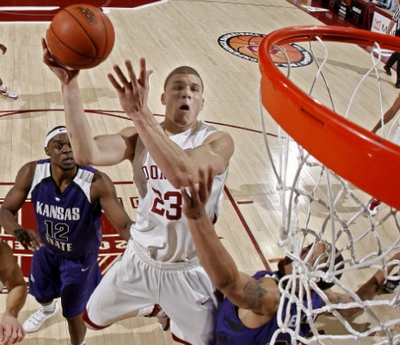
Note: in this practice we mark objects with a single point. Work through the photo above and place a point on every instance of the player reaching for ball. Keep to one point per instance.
(68, 201)
(160, 264)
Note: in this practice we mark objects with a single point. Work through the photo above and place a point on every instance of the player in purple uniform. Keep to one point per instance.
(11, 276)
(248, 313)
(68, 201)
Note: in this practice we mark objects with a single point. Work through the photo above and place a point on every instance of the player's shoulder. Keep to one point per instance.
(101, 182)
(209, 130)
(101, 186)
(34, 164)
(29, 168)
(222, 140)
(100, 175)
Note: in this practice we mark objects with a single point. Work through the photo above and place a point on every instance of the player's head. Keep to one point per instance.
(318, 259)
(53, 133)
(186, 70)
(58, 148)
(182, 98)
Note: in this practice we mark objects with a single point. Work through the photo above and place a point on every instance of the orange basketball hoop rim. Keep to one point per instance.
(366, 160)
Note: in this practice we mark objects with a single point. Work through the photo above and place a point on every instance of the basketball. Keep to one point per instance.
(80, 36)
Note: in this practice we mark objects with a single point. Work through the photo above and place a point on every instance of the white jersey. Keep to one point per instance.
(161, 227)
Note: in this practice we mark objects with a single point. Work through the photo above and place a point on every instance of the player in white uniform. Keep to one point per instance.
(157, 194)
(160, 265)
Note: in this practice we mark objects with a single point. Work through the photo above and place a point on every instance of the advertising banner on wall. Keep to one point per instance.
(380, 23)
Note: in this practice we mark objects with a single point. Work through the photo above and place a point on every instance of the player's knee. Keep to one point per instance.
(89, 323)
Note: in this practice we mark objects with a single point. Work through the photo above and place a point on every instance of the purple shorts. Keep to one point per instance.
(73, 280)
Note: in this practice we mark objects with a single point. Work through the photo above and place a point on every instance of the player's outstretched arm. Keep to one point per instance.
(11, 276)
(261, 296)
(102, 150)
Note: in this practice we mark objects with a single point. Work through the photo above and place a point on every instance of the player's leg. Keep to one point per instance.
(156, 311)
(44, 285)
(79, 278)
(4, 91)
(129, 286)
(77, 330)
(390, 62)
(189, 299)
(36, 320)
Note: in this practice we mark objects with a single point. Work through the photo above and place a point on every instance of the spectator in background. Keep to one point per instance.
(395, 57)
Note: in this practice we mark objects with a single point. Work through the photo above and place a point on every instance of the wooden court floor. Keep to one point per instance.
(169, 34)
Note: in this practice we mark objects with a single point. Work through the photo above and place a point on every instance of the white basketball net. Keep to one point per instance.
(317, 204)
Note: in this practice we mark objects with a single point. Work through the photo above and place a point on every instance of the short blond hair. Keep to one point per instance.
(183, 70)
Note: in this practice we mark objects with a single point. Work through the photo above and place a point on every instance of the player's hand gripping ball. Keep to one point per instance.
(80, 36)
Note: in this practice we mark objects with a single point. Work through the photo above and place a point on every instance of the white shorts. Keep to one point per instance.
(183, 290)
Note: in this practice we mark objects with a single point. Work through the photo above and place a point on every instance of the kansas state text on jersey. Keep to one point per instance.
(57, 212)
(67, 222)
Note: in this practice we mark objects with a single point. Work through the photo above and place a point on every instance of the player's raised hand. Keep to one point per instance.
(195, 196)
(132, 91)
(63, 73)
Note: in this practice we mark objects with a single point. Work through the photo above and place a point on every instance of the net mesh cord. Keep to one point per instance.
(318, 205)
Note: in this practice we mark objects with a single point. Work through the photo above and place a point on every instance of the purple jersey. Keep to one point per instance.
(67, 222)
(231, 331)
